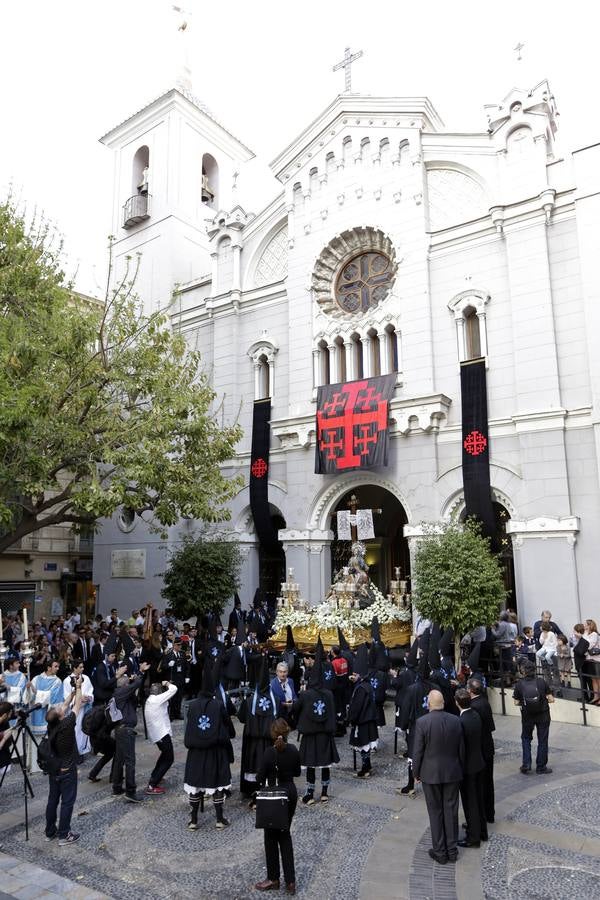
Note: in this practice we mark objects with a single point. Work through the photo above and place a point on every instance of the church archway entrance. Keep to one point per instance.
(389, 548)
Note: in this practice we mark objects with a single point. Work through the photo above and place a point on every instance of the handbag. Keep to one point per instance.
(272, 805)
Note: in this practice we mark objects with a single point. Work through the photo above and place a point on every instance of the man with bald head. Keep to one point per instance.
(438, 760)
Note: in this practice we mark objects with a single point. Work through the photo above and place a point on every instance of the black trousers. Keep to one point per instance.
(487, 779)
(471, 794)
(277, 842)
(164, 761)
(442, 808)
(108, 752)
(124, 759)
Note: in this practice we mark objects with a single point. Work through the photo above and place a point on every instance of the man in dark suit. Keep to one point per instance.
(97, 652)
(236, 616)
(82, 649)
(105, 680)
(471, 787)
(283, 690)
(480, 703)
(437, 761)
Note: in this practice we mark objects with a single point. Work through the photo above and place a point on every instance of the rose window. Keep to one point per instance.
(364, 282)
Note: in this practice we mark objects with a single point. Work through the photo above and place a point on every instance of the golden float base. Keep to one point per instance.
(393, 634)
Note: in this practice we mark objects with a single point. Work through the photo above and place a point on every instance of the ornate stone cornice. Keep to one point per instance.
(543, 527)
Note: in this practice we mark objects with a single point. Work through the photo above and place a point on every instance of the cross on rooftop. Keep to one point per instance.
(345, 64)
(518, 49)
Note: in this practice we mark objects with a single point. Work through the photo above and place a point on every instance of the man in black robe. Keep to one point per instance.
(235, 669)
(362, 713)
(210, 753)
(257, 712)
(314, 711)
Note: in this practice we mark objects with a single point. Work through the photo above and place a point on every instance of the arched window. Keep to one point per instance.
(325, 369)
(365, 146)
(393, 349)
(330, 162)
(264, 387)
(262, 353)
(468, 309)
(472, 335)
(358, 356)
(210, 181)
(341, 359)
(141, 171)
(384, 148)
(313, 179)
(375, 351)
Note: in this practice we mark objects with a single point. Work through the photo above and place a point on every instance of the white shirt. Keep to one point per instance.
(140, 620)
(157, 714)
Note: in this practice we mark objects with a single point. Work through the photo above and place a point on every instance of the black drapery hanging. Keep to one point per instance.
(352, 425)
(476, 445)
(259, 477)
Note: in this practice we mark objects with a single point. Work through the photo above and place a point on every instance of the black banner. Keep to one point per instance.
(352, 425)
(476, 445)
(259, 476)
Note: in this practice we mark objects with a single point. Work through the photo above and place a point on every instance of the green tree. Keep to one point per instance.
(201, 577)
(458, 581)
(100, 406)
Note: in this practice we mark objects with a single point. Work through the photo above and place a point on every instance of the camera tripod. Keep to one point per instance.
(23, 733)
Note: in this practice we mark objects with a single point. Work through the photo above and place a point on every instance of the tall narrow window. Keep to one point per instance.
(393, 353)
(264, 386)
(324, 360)
(365, 146)
(472, 334)
(341, 355)
(210, 181)
(347, 148)
(375, 351)
(358, 356)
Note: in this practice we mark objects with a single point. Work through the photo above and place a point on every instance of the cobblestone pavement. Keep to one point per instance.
(368, 842)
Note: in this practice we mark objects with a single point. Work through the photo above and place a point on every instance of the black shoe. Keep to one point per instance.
(134, 798)
(545, 771)
(525, 770)
(117, 791)
(408, 789)
(468, 843)
(93, 778)
(453, 858)
(442, 860)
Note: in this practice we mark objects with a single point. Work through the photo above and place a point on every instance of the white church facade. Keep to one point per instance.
(464, 245)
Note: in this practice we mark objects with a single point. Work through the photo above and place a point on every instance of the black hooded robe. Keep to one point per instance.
(210, 753)
(257, 713)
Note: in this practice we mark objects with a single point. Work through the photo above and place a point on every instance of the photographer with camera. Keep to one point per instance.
(63, 772)
(124, 715)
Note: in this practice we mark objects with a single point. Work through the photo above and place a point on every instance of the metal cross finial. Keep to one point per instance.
(345, 64)
(518, 49)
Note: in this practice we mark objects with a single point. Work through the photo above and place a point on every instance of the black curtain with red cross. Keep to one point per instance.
(476, 445)
(259, 477)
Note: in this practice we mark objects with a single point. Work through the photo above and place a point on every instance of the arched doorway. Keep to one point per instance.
(271, 563)
(389, 548)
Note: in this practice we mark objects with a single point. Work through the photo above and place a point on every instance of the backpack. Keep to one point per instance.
(93, 720)
(533, 699)
(47, 760)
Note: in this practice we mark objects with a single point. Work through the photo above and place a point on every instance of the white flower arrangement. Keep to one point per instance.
(297, 618)
(325, 617)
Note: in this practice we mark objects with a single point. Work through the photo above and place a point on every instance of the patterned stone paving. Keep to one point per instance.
(368, 842)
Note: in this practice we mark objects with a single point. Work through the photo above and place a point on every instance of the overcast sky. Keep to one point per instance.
(72, 69)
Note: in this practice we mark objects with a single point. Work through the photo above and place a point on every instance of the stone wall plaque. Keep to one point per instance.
(128, 564)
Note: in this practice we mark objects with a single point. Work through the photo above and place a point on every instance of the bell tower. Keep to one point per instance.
(174, 168)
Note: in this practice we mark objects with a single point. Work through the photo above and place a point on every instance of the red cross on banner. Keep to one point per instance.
(352, 424)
